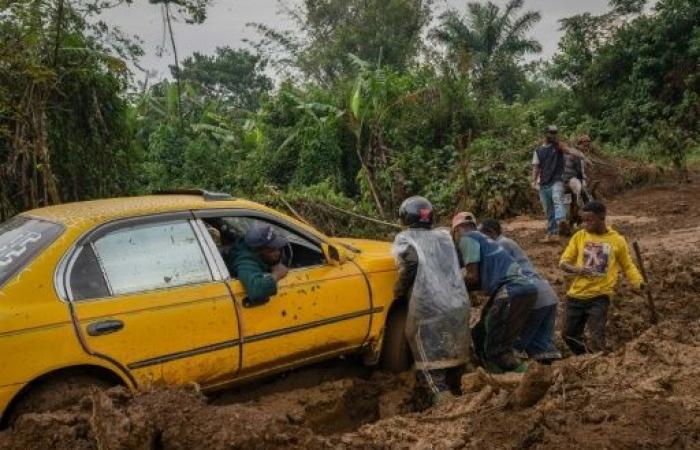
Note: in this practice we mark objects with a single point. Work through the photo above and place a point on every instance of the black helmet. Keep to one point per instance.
(416, 212)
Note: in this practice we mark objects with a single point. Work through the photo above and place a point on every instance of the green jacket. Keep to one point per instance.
(255, 275)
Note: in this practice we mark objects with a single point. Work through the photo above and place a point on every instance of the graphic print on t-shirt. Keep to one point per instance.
(596, 256)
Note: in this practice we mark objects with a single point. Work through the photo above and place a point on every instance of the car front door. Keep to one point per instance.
(144, 294)
(320, 308)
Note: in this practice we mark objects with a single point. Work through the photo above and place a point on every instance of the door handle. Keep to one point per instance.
(104, 327)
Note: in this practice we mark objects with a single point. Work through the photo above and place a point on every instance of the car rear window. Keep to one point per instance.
(21, 240)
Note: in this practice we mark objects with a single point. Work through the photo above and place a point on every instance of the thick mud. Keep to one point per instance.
(644, 394)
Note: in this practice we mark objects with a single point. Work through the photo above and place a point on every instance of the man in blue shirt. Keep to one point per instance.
(537, 336)
(487, 266)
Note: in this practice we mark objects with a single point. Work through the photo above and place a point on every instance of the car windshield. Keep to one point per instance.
(21, 240)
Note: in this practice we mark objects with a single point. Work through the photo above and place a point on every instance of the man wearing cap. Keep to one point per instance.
(256, 261)
(537, 336)
(512, 294)
(547, 177)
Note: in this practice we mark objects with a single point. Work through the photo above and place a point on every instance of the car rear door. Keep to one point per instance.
(319, 309)
(144, 294)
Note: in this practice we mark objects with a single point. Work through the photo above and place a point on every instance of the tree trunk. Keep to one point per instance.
(177, 61)
(368, 174)
(50, 187)
(30, 160)
(59, 29)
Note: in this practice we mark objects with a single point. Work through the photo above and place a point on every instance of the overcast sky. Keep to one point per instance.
(226, 24)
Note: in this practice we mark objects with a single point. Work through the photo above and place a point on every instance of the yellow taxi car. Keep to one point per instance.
(135, 291)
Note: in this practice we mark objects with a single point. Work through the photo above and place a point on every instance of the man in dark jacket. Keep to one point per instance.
(256, 261)
(547, 178)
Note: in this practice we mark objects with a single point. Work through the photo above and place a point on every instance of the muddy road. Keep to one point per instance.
(645, 394)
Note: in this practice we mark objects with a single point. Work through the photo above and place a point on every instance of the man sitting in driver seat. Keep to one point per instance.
(256, 261)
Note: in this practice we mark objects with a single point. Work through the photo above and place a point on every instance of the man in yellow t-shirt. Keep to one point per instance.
(595, 254)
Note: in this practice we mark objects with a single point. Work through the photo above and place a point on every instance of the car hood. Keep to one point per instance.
(372, 255)
(368, 246)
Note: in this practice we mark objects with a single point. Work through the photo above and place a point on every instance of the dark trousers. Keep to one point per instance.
(506, 317)
(591, 313)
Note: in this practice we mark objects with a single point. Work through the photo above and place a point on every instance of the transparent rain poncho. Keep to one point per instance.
(437, 324)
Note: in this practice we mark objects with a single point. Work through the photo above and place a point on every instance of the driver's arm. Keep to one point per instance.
(259, 284)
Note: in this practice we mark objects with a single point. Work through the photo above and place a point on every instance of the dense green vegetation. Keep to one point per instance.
(375, 100)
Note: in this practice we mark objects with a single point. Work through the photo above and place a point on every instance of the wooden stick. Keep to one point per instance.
(287, 204)
(647, 289)
(359, 216)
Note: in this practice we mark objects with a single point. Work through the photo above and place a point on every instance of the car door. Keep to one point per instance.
(319, 309)
(144, 294)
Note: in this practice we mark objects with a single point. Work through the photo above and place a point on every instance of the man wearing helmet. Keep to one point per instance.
(437, 322)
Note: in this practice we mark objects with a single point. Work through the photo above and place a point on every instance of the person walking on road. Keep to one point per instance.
(594, 254)
(437, 322)
(537, 336)
(547, 178)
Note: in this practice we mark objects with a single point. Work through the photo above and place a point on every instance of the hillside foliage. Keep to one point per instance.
(371, 101)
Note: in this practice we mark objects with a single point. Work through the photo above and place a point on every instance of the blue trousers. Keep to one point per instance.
(537, 335)
(553, 203)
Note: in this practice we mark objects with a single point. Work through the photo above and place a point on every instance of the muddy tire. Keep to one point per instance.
(56, 393)
(396, 354)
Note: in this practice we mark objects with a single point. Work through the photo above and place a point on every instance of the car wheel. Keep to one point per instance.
(56, 393)
(396, 354)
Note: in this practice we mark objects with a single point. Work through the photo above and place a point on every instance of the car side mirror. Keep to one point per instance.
(334, 255)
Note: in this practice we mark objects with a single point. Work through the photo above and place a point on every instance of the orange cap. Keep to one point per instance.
(462, 217)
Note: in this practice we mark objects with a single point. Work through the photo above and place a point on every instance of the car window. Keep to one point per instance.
(86, 277)
(152, 256)
(300, 253)
(21, 240)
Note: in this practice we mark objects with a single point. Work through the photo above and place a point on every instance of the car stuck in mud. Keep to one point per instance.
(136, 291)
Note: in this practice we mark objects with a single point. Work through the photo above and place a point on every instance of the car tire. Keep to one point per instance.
(55, 394)
(396, 354)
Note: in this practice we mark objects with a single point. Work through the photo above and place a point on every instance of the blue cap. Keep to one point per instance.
(263, 235)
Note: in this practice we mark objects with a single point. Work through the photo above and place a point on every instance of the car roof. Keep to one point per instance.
(94, 212)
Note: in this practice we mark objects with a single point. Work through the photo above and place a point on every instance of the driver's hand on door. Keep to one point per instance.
(279, 271)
